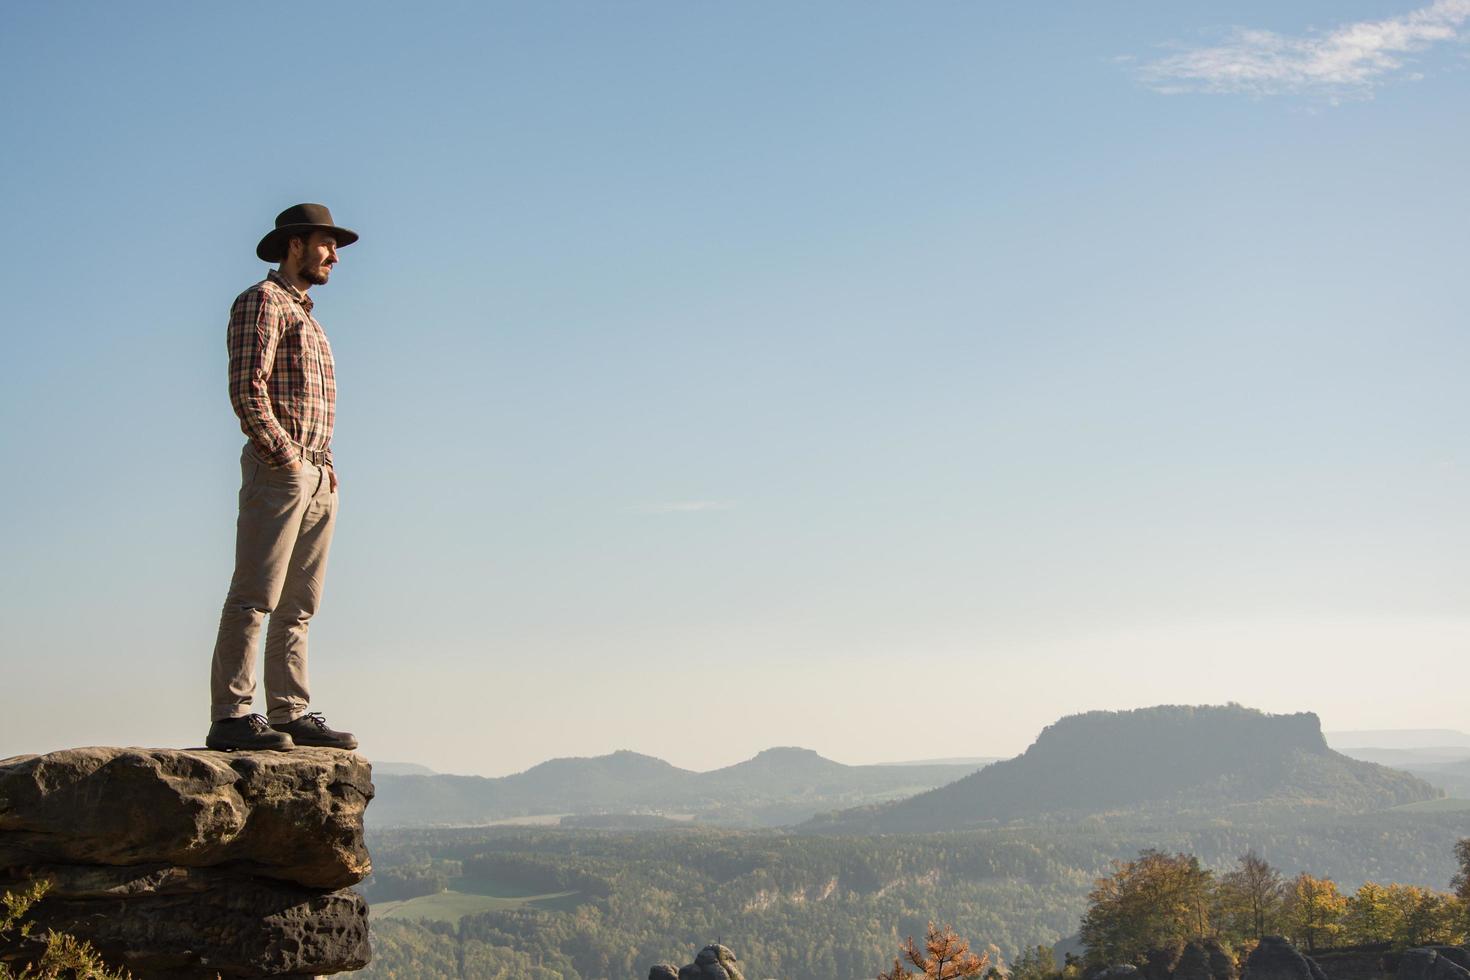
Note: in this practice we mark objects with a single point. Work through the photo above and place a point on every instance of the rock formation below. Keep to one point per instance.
(1434, 963)
(1277, 959)
(1218, 961)
(1204, 960)
(714, 962)
(1373, 961)
(193, 864)
(1201, 959)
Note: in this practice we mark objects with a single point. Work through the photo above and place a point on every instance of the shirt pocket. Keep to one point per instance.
(307, 361)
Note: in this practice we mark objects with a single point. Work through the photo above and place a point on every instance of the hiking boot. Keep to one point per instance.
(246, 734)
(311, 729)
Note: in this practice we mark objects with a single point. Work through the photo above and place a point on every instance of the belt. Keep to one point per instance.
(316, 457)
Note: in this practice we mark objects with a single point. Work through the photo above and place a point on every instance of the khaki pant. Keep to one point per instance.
(281, 543)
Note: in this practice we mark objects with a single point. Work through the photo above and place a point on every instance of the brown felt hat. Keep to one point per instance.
(294, 220)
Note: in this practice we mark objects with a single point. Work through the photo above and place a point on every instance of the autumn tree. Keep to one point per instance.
(1249, 897)
(997, 969)
(1157, 900)
(1371, 916)
(945, 956)
(1461, 882)
(1314, 910)
(1425, 917)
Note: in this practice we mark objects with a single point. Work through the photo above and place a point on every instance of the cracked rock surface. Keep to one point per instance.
(192, 863)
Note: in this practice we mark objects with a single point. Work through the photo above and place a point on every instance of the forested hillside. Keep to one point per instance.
(803, 907)
(1008, 854)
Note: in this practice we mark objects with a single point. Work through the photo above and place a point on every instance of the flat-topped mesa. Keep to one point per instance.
(192, 863)
(1168, 759)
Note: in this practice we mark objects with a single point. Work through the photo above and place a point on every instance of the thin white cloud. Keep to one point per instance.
(1348, 61)
(687, 506)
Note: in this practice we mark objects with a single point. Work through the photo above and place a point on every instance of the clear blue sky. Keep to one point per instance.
(887, 379)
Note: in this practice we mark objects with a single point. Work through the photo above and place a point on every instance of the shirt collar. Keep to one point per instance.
(296, 294)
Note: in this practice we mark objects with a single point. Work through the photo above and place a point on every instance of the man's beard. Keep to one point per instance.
(317, 276)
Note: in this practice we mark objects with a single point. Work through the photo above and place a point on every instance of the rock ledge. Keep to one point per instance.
(192, 863)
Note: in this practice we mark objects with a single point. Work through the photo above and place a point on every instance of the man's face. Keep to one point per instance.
(318, 255)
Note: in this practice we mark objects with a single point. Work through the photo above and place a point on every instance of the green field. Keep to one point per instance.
(453, 905)
(1435, 806)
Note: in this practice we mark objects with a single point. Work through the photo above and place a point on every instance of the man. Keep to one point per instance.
(283, 388)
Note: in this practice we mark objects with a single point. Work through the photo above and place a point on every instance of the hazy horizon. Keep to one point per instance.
(1335, 740)
(886, 381)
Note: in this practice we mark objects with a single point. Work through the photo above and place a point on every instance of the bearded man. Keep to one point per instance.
(283, 387)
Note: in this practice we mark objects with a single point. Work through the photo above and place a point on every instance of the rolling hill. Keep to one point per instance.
(778, 786)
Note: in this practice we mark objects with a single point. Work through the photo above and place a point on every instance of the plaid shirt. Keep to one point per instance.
(283, 385)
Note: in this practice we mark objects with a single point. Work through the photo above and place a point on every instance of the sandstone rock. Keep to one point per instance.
(1458, 955)
(1277, 959)
(1194, 963)
(714, 962)
(1204, 960)
(295, 816)
(1160, 962)
(1430, 963)
(1364, 962)
(189, 865)
(663, 972)
(163, 921)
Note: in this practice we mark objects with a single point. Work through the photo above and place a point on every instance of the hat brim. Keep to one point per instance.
(272, 247)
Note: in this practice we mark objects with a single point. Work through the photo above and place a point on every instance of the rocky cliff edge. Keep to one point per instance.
(185, 864)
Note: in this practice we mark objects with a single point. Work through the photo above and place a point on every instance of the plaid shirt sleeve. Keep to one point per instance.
(254, 333)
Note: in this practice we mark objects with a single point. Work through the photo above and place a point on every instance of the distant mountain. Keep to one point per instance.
(1434, 755)
(1439, 756)
(779, 771)
(1451, 776)
(1399, 738)
(1168, 758)
(569, 783)
(973, 761)
(778, 786)
(799, 773)
(401, 769)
